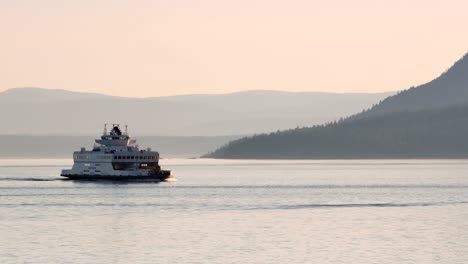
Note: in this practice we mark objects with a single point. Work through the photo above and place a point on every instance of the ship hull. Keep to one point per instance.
(156, 177)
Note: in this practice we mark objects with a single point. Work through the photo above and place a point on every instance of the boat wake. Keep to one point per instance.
(29, 179)
(416, 204)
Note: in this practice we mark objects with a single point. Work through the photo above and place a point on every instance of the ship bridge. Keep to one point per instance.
(115, 137)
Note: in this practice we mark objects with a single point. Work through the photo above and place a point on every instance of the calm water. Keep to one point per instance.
(239, 212)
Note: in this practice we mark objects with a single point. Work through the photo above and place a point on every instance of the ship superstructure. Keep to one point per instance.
(115, 156)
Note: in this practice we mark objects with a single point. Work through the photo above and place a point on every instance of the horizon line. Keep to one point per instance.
(191, 94)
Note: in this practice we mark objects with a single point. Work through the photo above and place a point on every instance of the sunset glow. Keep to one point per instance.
(154, 48)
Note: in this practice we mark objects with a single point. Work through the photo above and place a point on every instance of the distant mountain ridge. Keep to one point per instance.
(428, 121)
(44, 111)
(34, 94)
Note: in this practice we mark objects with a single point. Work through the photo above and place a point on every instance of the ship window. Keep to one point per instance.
(133, 157)
(128, 157)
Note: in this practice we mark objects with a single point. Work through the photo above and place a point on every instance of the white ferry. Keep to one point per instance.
(116, 157)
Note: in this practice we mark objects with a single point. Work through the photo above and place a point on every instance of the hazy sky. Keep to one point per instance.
(164, 47)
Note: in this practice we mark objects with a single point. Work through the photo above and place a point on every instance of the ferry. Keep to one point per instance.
(116, 157)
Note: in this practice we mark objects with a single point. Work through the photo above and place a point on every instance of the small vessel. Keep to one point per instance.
(115, 156)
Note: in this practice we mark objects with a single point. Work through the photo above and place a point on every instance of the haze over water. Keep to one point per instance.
(222, 211)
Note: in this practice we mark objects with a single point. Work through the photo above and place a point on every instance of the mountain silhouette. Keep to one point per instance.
(36, 111)
(449, 89)
(428, 121)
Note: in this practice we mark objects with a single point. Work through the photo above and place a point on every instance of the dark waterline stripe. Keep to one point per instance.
(418, 204)
(235, 207)
(165, 185)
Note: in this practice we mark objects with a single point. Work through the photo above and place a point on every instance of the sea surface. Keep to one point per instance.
(219, 211)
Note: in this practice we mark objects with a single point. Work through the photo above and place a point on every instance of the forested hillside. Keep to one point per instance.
(428, 121)
(423, 134)
(449, 89)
